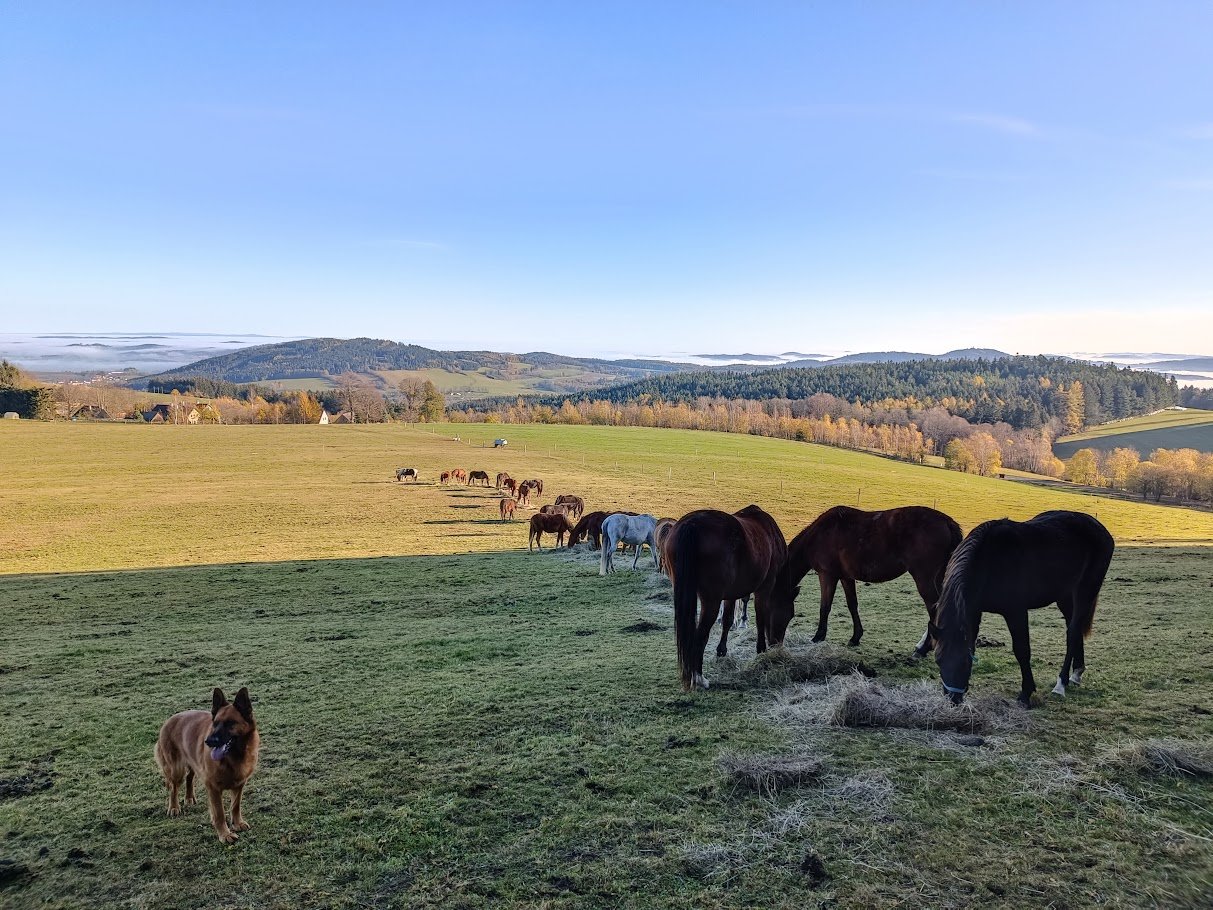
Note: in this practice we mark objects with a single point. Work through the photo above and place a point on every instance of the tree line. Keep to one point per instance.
(1183, 474)
(1023, 391)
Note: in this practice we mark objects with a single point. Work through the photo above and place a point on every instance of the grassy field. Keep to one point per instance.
(1191, 429)
(450, 721)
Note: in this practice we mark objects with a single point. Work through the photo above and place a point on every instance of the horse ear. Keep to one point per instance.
(218, 700)
(244, 704)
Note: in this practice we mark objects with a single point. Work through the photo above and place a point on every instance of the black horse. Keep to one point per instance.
(1011, 567)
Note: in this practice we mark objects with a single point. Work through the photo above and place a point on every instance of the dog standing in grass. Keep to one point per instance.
(219, 748)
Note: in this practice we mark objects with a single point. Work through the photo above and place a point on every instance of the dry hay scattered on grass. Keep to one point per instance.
(856, 701)
(1165, 757)
(783, 666)
(767, 773)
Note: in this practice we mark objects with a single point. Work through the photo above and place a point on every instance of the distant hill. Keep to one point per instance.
(900, 357)
(314, 362)
(1194, 364)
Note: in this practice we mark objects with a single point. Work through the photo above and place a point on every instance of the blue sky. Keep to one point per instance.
(633, 178)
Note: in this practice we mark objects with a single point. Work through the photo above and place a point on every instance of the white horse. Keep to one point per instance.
(633, 529)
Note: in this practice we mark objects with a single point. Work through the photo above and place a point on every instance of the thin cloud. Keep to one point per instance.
(999, 123)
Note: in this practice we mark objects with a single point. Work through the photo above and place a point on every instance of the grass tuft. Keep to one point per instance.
(783, 666)
(769, 774)
(1165, 757)
(855, 701)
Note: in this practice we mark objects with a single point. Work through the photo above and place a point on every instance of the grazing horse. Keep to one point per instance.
(459, 474)
(714, 557)
(1011, 567)
(537, 485)
(507, 507)
(481, 477)
(848, 545)
(524, 492)
(590, 527)
(502, 477)
(550, 522)
(633, 529)
(660, 534)
(509, 485)
(402, 473)
(444, 477)
(575, 503)
(552, 508)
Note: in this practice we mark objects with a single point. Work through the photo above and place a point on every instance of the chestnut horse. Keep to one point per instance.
(524, 492)
(662, 531)
(1011, 567)
(459, 474)
(507, 509)
(575, 503)
(548, 522)
(848, 545)
(713, 557)
(481, 477)
(551, 508)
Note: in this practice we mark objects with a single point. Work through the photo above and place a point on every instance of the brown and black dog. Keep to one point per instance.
(220, 748)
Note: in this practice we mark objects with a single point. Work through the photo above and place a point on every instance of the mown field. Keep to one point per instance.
(1192, 429)
(450, 721)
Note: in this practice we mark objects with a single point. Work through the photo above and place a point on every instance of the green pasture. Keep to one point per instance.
(450, 721)
(1191, 429)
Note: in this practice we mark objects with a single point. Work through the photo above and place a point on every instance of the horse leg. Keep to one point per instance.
(929, 592)
(726, 622)
(1073, 646)
(708, 607)
(848, 588)
(829, 584)
(760, 623)
(1017, 625)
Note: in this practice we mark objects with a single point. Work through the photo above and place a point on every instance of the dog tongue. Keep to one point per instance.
(218, 752)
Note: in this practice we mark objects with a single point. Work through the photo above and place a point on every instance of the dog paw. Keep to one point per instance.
(191, 800)
(241, 825)
(228, 837)
(174, 811)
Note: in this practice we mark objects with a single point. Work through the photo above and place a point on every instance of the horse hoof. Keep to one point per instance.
(1076, 678)
(700, 682)
(917, 655)
(853, 643)
(818, 639)
(1060, 688)
(721, 652)
(1024, 701)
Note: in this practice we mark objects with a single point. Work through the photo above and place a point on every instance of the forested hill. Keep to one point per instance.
(334, 356)
(1023, 391)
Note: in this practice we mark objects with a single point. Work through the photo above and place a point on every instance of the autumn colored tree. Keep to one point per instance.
(1083, 467)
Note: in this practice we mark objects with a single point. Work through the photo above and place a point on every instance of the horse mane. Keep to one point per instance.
(952, 612)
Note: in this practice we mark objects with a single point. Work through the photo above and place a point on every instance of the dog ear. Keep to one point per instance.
(218, 700)
(243, 704)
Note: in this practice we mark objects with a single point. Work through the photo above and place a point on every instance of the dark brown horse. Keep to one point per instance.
(1011, 567)
(508, 507)
(444, 476)
(848, 545)
(501, 478)
(575, 503)
(481, 477)
(589, 527)
(509, 485)
(536, 484)
(550, 523)
(715, 556)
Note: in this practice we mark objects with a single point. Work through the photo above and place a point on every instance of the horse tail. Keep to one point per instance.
(686, 596)
(955, 537)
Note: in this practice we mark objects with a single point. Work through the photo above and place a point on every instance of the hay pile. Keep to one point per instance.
(855, 701)
(769, 774)
(780, 667)
(1166, 757)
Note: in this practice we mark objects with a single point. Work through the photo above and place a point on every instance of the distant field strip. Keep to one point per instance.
(1165, 430)
(102, 496)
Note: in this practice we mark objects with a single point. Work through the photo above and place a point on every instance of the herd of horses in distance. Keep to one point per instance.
(716, 559)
